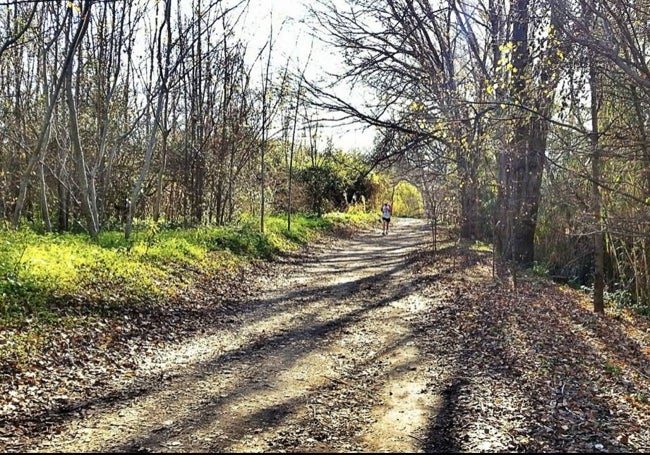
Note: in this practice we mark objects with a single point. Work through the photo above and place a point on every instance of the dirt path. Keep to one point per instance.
(326, 360)
(365, 344)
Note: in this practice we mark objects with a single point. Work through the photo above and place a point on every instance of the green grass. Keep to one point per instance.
(40, 273)
(52, 281)
(356, 218)
(481, 246)
(613, 369)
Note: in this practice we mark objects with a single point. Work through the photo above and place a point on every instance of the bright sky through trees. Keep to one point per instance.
(293, 42)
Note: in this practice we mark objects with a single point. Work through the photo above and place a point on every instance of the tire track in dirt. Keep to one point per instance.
(324, 360)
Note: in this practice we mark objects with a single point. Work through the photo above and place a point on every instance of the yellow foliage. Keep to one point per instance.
(407, 201)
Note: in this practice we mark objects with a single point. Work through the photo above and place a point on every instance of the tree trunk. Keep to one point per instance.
(265, 106)
(63, 215)
(469, 198)
(159, 183)
(599, 241)
(144, 170)
(163, 90)
(521, 163)
(41, 145)
(45, 209)
(520, 179)
(85, 196)
(291, 151)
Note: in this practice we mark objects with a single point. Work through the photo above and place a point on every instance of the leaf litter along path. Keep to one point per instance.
(372, 344)
(325, 360)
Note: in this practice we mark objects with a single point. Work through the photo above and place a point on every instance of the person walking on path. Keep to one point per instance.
(386, 212)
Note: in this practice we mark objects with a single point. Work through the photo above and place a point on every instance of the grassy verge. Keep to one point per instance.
(53, 281)
(39, 273)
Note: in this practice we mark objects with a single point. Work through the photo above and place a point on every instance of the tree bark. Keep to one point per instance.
(596, 170)
(521, 163)
(43, 138)
(162, 93)
(88, 207)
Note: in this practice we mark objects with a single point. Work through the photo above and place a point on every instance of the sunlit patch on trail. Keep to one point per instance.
(305, 366)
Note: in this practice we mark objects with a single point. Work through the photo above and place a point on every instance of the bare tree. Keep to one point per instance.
(43, 137)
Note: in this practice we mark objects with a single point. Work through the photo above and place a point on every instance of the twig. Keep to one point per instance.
(340, 381)
(417, 439)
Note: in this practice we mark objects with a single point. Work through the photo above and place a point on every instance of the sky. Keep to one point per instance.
(293, 41)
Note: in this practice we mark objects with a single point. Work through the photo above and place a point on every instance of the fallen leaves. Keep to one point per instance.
(48, 370)
(528, 370)
(540, 349)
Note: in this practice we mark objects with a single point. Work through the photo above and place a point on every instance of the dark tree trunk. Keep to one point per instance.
(469, 196)
(521, 164)
(520, 178)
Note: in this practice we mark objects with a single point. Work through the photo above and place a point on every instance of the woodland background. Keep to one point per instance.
(524, 123)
